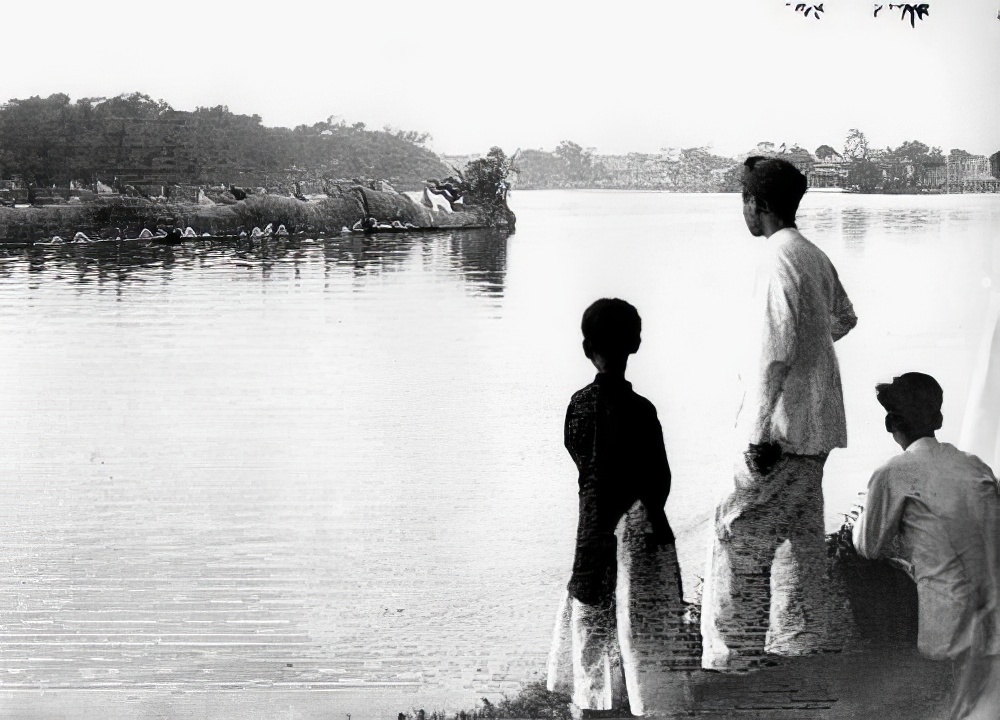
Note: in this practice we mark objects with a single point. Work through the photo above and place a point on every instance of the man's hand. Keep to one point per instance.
(727, 512)
(751, 490)
(763, 457)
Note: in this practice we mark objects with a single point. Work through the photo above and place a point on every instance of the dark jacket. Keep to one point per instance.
(616, 441)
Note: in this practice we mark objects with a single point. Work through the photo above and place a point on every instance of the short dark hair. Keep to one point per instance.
(611, 326)
(775, 184)
(913, 402)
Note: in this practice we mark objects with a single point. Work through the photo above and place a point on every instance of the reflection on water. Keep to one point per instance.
(857, 221)
(227, 446)
(477, 256)
(855, 226)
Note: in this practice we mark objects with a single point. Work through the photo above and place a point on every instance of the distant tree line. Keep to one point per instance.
(137, 139)
(571, 166)
(913, 166)
(568, 166)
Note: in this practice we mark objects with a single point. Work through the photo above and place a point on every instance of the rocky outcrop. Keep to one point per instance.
(344, 205)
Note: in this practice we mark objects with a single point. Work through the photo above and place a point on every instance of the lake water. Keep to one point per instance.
(338, 464)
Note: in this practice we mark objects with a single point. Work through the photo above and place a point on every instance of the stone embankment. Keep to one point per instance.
(343, 206)
(878, 673)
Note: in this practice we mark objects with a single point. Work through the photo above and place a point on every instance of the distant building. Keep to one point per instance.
(963, 174)
(13, 191)
(830, 172)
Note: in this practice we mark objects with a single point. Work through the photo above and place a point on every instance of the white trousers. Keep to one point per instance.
(622, 653)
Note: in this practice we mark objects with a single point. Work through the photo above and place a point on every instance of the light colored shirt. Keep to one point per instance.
(938, 509)
(793, 393)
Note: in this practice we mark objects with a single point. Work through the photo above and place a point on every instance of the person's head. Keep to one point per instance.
(772, 190)
(912, 404)
(611, 332)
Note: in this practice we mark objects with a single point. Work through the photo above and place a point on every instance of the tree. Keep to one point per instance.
(911, 150)
(856, 145)
(36, 138)
(412, 136)
(732, 179)
(484, 182)
(54, 141)
(799, 157)
(908, 165)
(568, 166)
(137, 105)
(864, 175)
(825, 152)
(485, 176)
(995, 164)
(576, 163)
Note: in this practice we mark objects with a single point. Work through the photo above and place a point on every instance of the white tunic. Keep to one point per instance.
(800, 309)
(938, 509)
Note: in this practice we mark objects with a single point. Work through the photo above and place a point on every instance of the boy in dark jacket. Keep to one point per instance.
(616, 441)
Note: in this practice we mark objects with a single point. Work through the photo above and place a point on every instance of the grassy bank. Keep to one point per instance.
(533, 702)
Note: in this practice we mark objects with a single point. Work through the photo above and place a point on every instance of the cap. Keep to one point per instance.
(915, 397)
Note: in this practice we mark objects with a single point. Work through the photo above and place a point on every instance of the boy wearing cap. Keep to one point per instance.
(938, 509)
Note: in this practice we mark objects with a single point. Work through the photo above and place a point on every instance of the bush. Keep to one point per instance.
(484, 182)
(533, 702)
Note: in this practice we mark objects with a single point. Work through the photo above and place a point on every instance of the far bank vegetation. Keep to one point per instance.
(113, 167)
(912, 167)
(136, 140)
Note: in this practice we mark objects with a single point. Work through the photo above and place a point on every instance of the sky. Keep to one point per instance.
(622, 76)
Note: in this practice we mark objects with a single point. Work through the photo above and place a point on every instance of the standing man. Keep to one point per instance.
(938, 509)
(770, 529)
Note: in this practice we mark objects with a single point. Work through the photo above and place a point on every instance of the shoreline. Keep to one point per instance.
(888, 683)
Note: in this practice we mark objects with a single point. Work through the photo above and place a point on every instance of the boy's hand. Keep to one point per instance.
(662, 533)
